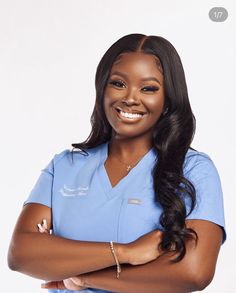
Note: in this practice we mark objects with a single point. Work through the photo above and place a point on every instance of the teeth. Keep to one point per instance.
(129, 115)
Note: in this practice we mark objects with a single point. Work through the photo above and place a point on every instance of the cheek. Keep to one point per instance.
(108, 98)
(112, 94)
(108, 101)
(155, 104)
(106, 104)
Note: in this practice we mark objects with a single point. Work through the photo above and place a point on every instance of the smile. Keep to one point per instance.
(129, 116)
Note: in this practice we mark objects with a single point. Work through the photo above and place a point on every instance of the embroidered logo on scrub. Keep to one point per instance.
(80, 191)
(134, 201)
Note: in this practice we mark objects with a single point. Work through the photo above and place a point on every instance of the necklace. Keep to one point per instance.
(129, 166)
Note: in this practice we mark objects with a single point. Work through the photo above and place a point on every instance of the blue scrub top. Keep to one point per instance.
(86, 206)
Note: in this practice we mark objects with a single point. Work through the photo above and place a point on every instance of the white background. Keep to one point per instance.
(49, 51)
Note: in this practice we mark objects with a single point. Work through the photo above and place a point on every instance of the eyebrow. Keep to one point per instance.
(143, 79)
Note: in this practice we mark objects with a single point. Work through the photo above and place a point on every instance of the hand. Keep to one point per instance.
(73, 284)
(44, 227)
(144, 249)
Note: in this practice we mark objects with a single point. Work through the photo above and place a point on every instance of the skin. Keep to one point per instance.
(135, 85)
(127, 89)
(51, 257)
(193, 273)
(90, 264)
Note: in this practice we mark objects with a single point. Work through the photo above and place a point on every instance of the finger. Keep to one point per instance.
(53, 285)
(70, 285)
(78, 281)
(45, 225)
(41, 229)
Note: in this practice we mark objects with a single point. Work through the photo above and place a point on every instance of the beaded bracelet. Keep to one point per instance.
(116, 260)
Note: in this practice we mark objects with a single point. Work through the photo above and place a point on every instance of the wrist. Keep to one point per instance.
(122, 252)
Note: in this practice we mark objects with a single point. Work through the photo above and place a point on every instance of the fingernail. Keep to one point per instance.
(40, 227)
(41, 230)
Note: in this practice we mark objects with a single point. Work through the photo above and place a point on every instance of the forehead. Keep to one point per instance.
(138, 62)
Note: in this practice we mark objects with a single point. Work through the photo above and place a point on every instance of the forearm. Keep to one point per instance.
(157, 276)
(50, 257)
(193, 273)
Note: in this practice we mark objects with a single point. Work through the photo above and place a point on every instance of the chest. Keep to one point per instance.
(115, 172)
(108, 205)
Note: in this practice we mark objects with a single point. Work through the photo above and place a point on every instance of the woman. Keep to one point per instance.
(135, 181)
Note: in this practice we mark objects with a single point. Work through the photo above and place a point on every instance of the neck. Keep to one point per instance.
(128, 149)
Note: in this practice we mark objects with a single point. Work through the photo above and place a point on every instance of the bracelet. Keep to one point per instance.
(116, 260)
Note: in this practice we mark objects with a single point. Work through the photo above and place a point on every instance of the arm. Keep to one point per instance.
(50, 257)
(193, 273)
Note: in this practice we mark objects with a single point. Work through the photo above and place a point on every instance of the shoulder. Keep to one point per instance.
(72, 156)
(201, 171)
(198, 164)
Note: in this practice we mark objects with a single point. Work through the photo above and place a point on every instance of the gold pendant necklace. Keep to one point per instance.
(128, 167)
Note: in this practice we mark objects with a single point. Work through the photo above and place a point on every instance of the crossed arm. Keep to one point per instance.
(50, 257)
(193, 273)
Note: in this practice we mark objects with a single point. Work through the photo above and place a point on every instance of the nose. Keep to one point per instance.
(131, 99)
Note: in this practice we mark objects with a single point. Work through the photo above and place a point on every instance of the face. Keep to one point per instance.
(134, 95)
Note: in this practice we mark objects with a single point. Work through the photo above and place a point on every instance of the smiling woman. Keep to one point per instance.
(134, 196)
(135, 90)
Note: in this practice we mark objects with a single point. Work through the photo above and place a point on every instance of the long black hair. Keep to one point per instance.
(172, 135)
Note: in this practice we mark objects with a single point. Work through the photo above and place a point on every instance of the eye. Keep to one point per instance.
(150, 89)
(117, 83)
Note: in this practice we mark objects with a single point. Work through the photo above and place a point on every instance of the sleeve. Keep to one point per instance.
(209, 196)
(42, 190)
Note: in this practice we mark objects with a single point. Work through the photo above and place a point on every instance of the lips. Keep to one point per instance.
(128, 118)
(130, 112)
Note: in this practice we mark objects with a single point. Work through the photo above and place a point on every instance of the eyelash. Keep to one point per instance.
(119, 84)
(116, 82)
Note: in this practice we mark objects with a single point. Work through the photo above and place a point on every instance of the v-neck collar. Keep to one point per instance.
(146, 161)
